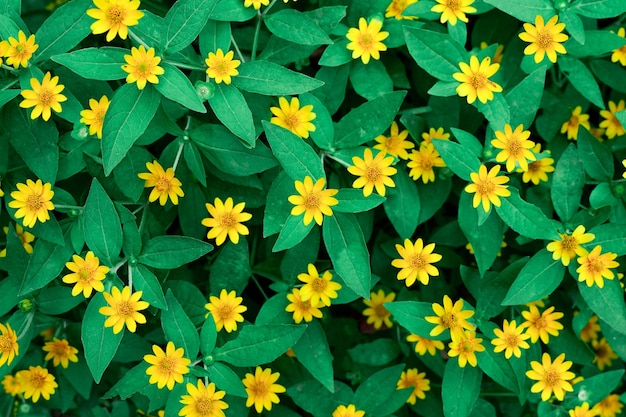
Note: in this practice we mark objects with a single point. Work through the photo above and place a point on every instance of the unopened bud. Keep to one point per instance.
(204, 90)
(25, 305)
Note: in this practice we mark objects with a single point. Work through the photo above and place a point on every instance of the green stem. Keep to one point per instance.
(117, 266)
(267, 9)
(66, 207)
(143, 216)
(239, 54)
(258, 284)
(186, 66)
(255, 43)
(137, 39)
(130, 277)
(26, 325)
(180, 151)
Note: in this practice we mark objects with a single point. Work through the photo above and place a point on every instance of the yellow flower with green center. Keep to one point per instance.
(397, 7)
(291, 116)
(226, 220)
(202, 401)
(376, 313)
(262, 389)
(541, 325)
(318, 290)
(433, 133)
(595, 266)
(464, 348)
(576, 120)
(87, 274)
(475, 82)
(142, 67)
(33, 201)
(545, 39)
(165, 184)
(488, 187)
(19, 51)
(44, 97)
(61, 353)
(511, 339)
(167, 367)
(36, 382)
(313, 200)
(416, 262)
(423, 162)
(553, 377)
(611, 123)
(424, 345)
(450, 317)
(123, 309)
(412, 378)
(256, 3)
(604, 354)
(591, 329)
(9, 348)
(608, 407)
(582, 411)
(302, 309)
(515, 147)
(10, 385)
(222, 67)
(396, 144)
(347, 411)
(373, 172)
(453, 10)
(226, 310)
(114, 17)
(619, 54)
(94, 116)
(366, 40)
(25, 237)
(569, 247)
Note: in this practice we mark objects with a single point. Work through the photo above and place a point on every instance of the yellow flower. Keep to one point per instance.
(262, 389)
(619, 54)
(349, 411)
(256, 3)
(594, 267)
(418, 381)
(541, 325)
(222, 67)
(608, 407)
(94, 116)
(142, 67)
(376, 312)
(226, 310)
(604, 354)
(433, 133)
(313, 200)
(423, 344)
(87, 274)
(510, 339)
(47, 334)
(545, 39)
(538, 171)
(123, 309)
(397, 7)
(19, 51)
(474, 79)
(591, 329)
(612, 125)
(60, 351)
(36, 382)
(202, 401)
(114, 17)
(302, 310)
(488, 187)
(164, 182)
(575, 121)
(465, 347)
(552, 377)
(10, 385)
(450, 317)
(582, 411)
(569, 246)
(416, 262)
(515, 147)
(226, 220)
(423, 161)
(168, 367)
(32, 201)
(44, 97)
(291, 116)
(318, 290)
(25, 237)
(451, 10)
(396, 144)
(9, 348)
(372, 172)
(497, 58)
(366, 40)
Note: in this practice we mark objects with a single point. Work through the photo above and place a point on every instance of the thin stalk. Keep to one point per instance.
(180, 151)
(239, 54)
(257, 31)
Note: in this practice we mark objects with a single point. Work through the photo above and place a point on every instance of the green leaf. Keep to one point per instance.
(313, 353)
(146, 282)
(444, 89)
(609, 74)
(133, 381)
(582, 79)
(598, 158)
(268, 78)
(598, 42)
(169, 252)
(598, 387)
(297, 27)
(226, 379)
(612, 238)
(377, 353)
(371, 80)
(175, 85)
(324, 134)
(524, 99)
(293, 232)
(436, 53)
(102, 64)
(411, 315)
(525, 10)
(45, 264)
(295, 155)
(378, 388)
(369, 120)
(103, 232)
(403, 204)
(492, 289)
(568, 181)
(468, 141)
(259, 344)
(333, 92)
(348, 252)
(208, 336)
(56, 300)
(496, 111)
(232, 11)
(178, 327)
(498, 368)
(215, 35)
(574, 26)
(351, 200)
(526, 219)
(336, 54)
(128, 116)
(537, 279)
(125, 174)
(461, 161)
(608, 303)
(459, 389)
(599, 9)
(8, 95)
(231, 269)
(184, 21)
(232, 110)
(99, 342)
(63, 30)
(194, 162)
(8, 289)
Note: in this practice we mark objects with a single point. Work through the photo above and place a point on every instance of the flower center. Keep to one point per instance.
(515, 147)
(511, 340)
(45, 97)
(6, 343)
(467, 346)
(143, 69)
(534, 167)
(260, 389)
(365, 41)
(221, 68)
(602, 352)
(485, 187)
(569, 243)
(124, 309)
(417, 262)
(19, 48)
(573, 121)
(454, 5)
(540, 323)
(227, 221)
(478, 81)
(166, 364)
(292, 121)
(204, 406)
(163, 185)
(552, 378)
(373, 174)
(225, 310)
(595, 265)
(34, 201)
(37, 380)
(319, 285)
(392, 144)
(381, 311)
(116, 15)
(427, 164)
(312, 201)
(448, 320)
(544, 39)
